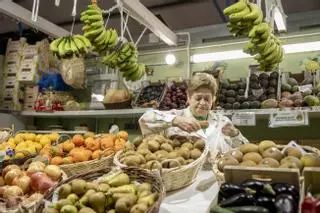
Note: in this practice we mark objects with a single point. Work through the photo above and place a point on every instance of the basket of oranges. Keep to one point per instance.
(81, 153)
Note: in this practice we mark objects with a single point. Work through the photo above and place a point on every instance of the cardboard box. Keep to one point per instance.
(10, 80)
(11, 68)
(30, 51)
(31, 90)
(15, 46)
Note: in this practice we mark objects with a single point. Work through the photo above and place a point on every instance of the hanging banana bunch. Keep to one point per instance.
(126, 59)
(68, 46)
(246, 18)
(102, 39)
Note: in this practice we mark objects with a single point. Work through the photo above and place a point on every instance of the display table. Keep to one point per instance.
(195, 198)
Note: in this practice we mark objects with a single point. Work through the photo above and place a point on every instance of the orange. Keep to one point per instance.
(56, 160)
(78, 140)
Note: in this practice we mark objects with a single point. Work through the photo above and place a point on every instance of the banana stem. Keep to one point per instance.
(94, 2)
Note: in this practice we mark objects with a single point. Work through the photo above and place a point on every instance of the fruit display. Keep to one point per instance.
(20, 186)
(231, 95)
(246, 18)
(150, 96)
(23, 144)
(175, 97)
(294, 95)
(102, 39)
(68, 46)
(86, 147)
(267, 154)
(263, 89)
(126, 59)
(111, 193)
(156, 152)
(257, 196)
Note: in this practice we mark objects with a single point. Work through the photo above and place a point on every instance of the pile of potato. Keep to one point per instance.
(156, 151)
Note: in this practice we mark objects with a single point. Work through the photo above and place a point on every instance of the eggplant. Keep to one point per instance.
(218, 209)
(242, 199)
(229, 189)
(259, 186)
(281, 188)
(285, 203)
(248, 209)
(266, 201)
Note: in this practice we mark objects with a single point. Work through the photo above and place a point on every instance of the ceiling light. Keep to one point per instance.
(279, 19)
(239, 54)
(143, 15)
(171, 59)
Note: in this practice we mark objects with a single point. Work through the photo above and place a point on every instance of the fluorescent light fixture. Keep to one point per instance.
(279, 20)
(21, 14)
(143, 15)
(171, 59)
(238, 54)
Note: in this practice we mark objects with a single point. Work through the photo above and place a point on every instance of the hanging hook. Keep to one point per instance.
(35, 10)
(57, 3)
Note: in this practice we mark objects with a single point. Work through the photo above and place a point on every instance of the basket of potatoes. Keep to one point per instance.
(268, 154)
(178, 159)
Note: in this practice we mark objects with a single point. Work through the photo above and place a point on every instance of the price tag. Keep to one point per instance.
(289, 118)
(244, 119)
(305, 88)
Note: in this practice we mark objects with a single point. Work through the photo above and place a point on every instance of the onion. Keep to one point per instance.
(11, 175)
(2, 183)
(38, 164)
(35, 168)
(41, 182)
(24, 183)
(12, 191)
(53, 171)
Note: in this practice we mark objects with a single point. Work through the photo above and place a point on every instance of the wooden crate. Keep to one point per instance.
(311, 178)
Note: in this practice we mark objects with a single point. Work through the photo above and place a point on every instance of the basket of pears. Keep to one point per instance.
(107, 190)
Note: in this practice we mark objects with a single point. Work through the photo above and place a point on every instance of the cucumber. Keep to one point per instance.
(218, 209)
(248, 209)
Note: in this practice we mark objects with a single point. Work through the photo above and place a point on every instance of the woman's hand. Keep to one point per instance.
(230, 130)
(187, 124)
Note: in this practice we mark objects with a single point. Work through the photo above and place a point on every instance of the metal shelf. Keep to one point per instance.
(116, 113)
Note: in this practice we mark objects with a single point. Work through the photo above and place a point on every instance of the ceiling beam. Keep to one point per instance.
(19, 13)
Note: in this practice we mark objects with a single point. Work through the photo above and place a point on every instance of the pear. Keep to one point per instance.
(97, 201)
(266, 144)
(132, 196)
(139, 208)
(50, 210)
(84, 200)
(248, 147)
(62, 203)
(121, 179)
(254, 156)
(226, 160)
(73, 198)
(86, 210)
(293, 151)
(103, 187)
(144, 187)
(124, 205)
(236, 154)
(69, 209)
(64, 191)
(248, 163)
(131, 188)
(148, 200)
(269, 161)
(91, 185)
(310, 160)
(144, 193)
(79, 186)
(274, 153)
(292, 159)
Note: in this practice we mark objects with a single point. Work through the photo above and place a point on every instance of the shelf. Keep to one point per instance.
(116, 113)
(57, 131)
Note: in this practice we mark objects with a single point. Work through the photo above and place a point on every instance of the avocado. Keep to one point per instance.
(228, 106)
(255, 104)
(263, 98)
(272, 96)
(253, 78)
(221, 98)
(312, 100)
(230, 100)
(223, 91)
(292, 82)
(271, 90)
(236, 105)
(252, 98)
(234, 86)
(263, 76)
(231, 93)
(264, 83)
(274, 75)
(273, 82)
(255, 85)
(241, 92)
(245, 105)
(242, 85)
(240, 98)
(225, 85)
(285, 87)
(250, 92)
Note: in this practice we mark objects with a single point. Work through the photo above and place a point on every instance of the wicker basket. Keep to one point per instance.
(140, 175)
(73, 72)
(176, 178)
(27, 207)
(220, 175)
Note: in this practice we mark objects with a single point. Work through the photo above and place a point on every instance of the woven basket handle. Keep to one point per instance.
(153, 162)
(172, 160)
(106, 150)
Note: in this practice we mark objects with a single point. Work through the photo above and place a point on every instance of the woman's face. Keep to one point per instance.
(201, 101)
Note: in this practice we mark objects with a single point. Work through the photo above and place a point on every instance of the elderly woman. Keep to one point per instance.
(197, 120)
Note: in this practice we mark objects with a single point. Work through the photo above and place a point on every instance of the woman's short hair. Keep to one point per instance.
(202, 80)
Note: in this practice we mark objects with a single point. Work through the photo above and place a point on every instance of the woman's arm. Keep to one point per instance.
(235, 137)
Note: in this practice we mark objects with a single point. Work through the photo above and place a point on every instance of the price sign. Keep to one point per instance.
(244, 119)
(289, 118)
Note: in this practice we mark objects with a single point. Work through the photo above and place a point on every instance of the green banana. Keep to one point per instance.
(93, 12)
(73, 46)
(235, 8)
(235, 17)
(100, 38)
(252, 32)
(61, 47)
(68, 46)
(259, 19)
(93, 33)
(80, 45)
(84, 40)
(254, 12)
(113, 39)
(83, 18)
(97, 24)
(93, 7)
(262, 28)
(261, 46)
(94, 18)
(55, 43)
(272, 47)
